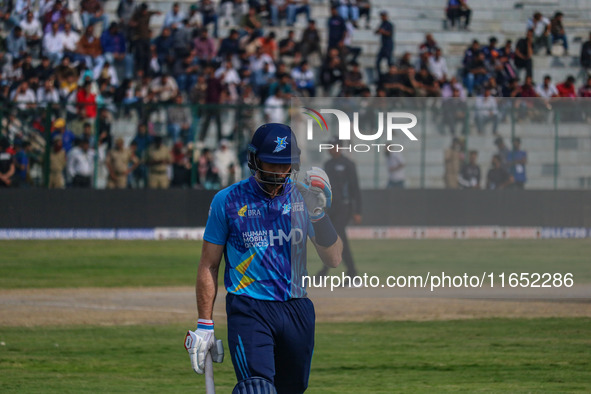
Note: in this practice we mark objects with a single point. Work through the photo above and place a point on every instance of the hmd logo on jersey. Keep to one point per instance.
(249, 213)
(278, 237)
(388, 121)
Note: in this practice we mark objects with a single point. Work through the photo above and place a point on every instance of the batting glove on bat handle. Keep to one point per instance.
(199, 342)
(316, 191)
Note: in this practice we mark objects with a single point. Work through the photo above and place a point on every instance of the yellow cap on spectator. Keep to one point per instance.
(59, 123)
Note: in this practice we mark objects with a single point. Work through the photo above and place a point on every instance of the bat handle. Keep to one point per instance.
(209, 385)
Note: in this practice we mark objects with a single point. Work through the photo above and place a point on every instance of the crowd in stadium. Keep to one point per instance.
(69, 57)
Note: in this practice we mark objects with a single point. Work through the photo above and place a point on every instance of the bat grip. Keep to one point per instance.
(209, 384)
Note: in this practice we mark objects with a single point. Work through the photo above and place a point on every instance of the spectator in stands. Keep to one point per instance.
(226, 162)
(32, 31)
(296, 7)
(205, 47)
(336, 28)
(179, 121)
(310, 40)
(348, 10)
(44, 71)
(81, 164)
(438, 66)
(502, 152)
(229, 46)
(141, 34)
(86, 101)
(546, 89)
(456, 10)
(332, 72)
(585, 90)
(477, 73)
(365, 10)
(304, 79)
(585, 58)
(24, 97)
(524, 53)
(353, 81)
(194, 17)
(7, 167)
(274, 107)
(540, 25)
(125, 11)
(454, 111)
(498, 177)
(288, 47)
(212, 100)
(486, 111)
(252, 24)
(70, 40)
(181, 166)
(57, 164)
(386, 33)
(16, 43)
(470, 54)
(453, 157)
(65, 135)
(89, 46)
(429, 45)
(57, 14)
(517, 159)
(92, 12)
(396, 164)
(567, 88)
(118, 162)
(53, 44)
(207, 171)
(159, 158)
(48, 94)
(21, 177)
(115, 49)
(165, 88)
(426, 85)
(268, 45)
(209, 16)
(470, 172)
(490, 51)
(174, 16)
(557, 31)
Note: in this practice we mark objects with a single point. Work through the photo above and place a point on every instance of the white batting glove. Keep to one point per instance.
(316, 191)
(201, 341)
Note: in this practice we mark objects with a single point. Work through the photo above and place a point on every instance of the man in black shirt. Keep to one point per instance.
(498, 177)
(386, 31)
(586, 54)
(336, 28)
(470, 173)
(524, 52)
(346, 201)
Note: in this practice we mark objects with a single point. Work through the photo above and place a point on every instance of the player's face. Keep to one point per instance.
(273, 176)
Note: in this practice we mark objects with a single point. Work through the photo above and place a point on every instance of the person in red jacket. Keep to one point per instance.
(86, 101)
(567, 88)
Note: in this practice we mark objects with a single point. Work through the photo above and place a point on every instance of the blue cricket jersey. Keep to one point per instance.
(265, 240)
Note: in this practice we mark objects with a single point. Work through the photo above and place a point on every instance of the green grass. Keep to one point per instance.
(174, 263)
(493, 355)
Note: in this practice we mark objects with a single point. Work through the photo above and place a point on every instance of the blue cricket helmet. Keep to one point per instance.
(275, 143)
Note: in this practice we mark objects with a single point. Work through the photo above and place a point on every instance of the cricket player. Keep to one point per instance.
(261, 225)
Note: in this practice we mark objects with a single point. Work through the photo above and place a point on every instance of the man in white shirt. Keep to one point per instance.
(70, 38)
(486, 111)
(396, 175)
(53, 44)
(541, 27)
(24, 97)
(32, 31)
(226, 161)
(259, 59)
(81, 165)
(547, 89)
(438, 66)
(304, 79)
(175, 15)
(274, 111)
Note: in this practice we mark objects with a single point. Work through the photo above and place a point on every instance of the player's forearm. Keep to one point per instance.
(206, 290)
(331, 255)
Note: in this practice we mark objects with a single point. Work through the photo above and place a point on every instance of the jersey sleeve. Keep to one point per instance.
(216, 229)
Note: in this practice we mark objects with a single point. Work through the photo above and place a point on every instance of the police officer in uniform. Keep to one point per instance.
(159, 159)
(346, 201)
(118, 160)
(57, 164)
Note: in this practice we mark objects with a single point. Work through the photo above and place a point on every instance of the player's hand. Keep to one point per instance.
(316, 192)
(201, 341)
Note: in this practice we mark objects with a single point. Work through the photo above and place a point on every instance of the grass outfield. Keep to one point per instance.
(44, 264)
(496, 355)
